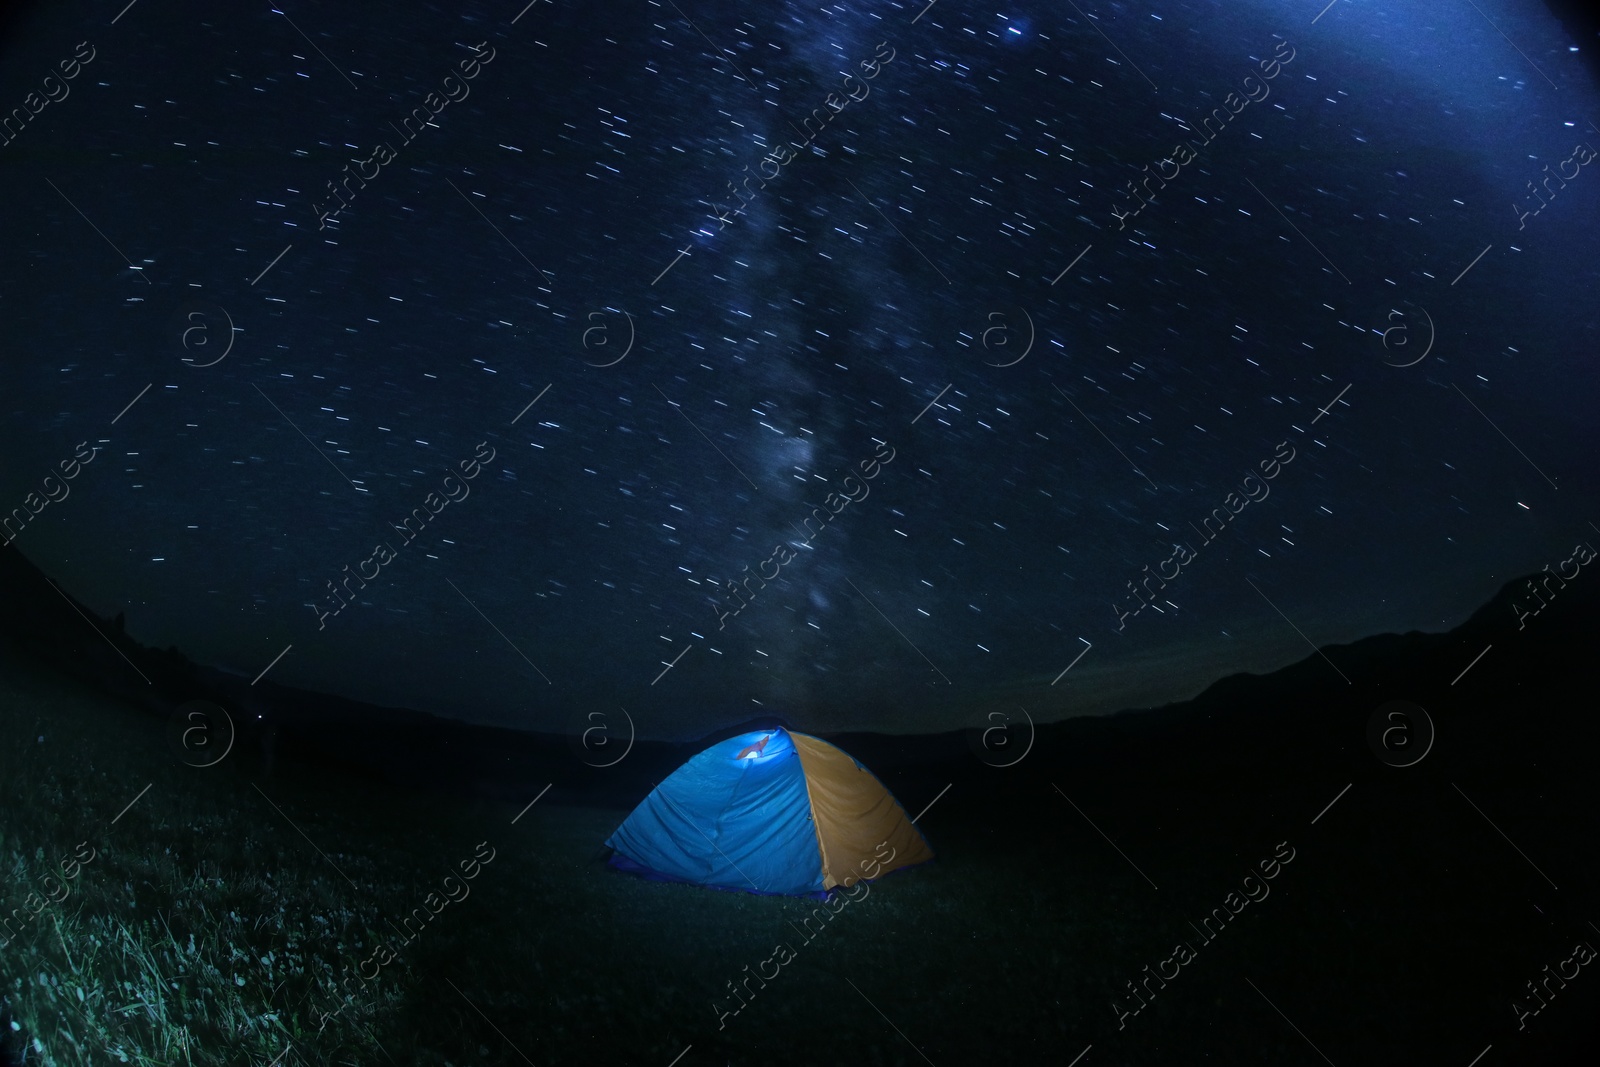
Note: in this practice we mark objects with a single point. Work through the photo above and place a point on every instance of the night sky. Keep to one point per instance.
(1154, 342)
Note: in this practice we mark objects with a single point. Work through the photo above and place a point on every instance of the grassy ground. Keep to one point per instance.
(219, 912)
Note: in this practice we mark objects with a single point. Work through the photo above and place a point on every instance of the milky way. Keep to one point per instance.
(683, 268)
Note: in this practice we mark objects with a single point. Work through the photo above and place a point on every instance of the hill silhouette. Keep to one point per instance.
(1309, 716)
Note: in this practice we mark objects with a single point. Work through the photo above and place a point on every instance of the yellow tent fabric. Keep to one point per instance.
(855, 814)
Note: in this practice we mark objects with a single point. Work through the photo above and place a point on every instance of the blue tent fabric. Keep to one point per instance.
(729, 823)
(620, 862)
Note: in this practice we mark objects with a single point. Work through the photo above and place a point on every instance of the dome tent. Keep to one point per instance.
(770, 812)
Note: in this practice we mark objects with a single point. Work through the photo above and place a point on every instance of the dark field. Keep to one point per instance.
(218, 913)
